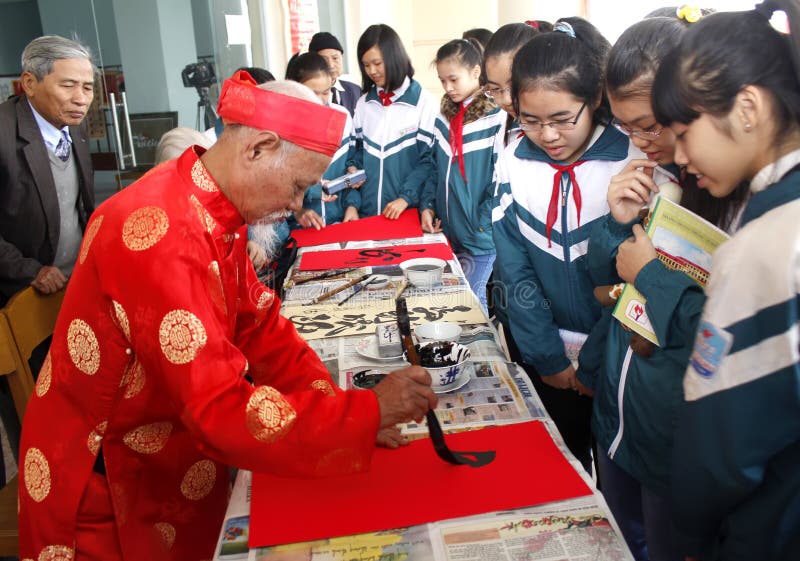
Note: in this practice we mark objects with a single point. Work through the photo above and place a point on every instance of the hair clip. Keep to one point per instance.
(533, 23)
(689, 13)
(564, 27)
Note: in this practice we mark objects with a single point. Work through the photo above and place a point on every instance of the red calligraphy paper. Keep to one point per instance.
(372, 228)
(411, 485)
(372, 257)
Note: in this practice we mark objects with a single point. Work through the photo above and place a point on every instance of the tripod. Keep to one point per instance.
(205, 109)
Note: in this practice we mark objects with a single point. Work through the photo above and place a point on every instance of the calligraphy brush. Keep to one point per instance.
(471, 459)
(328, 294)
(324, 275)
(358, 288)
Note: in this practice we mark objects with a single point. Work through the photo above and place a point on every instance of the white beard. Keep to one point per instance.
(265, 235)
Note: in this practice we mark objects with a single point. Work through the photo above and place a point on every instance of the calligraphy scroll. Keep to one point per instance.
(372, 228)
(372, 257)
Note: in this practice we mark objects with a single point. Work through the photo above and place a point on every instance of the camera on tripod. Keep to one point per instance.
(198, 75)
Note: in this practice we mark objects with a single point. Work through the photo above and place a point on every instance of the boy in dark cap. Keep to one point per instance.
(343, 93)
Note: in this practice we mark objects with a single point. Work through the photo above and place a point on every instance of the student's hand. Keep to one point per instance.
(325, 197)
(634, 253)
(257, 254)
(582, 389)
(428, 223)
(353, 169)
(350, 214)
(49, 280)
(405, 395)
(394, 209)
(391, 437)
(564, 380)
(630, 190)
(307, 218)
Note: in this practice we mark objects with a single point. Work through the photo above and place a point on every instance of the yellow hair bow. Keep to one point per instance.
(690, 14)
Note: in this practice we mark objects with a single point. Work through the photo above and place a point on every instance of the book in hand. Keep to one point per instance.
(684, 242)
(344, 182)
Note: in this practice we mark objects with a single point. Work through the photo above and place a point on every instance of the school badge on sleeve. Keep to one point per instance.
(710, 346)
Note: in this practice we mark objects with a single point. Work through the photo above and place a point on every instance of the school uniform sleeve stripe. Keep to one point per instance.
(769, 322)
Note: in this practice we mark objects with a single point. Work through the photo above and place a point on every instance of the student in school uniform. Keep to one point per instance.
(393, 123)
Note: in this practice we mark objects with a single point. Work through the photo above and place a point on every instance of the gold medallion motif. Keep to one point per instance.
(144, 228)
(88, 237)
(167, 533)
(182, 336)
(148, 439)
(84, 349)
(45, 377)
(215, 289)
(121, 319)
(202, 178)
(205, 217)
(56, 553)
(265, 300)
(37, 475)
(96, 438)
(199, 480)
(324, 386)
(133, 379)
(269, 416)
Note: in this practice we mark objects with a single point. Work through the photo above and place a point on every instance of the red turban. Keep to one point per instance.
(305, 123)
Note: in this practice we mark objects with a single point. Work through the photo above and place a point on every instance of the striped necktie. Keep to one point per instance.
(63, 148)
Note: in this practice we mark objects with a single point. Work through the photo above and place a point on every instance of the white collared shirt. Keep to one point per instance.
(773, 172)
(50, 134)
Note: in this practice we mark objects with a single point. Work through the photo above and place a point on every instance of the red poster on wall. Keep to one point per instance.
(303, 23)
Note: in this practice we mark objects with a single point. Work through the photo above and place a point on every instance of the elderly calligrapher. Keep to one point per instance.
(171, 362)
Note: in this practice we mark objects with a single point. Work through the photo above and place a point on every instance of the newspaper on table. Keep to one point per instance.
(232, 543)
(684, 242)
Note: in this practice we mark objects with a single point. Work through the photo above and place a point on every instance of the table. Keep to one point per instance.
(498, 392)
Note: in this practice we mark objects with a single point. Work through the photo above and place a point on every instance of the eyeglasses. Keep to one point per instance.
(563, 125)
(494, 93)
(654, 132)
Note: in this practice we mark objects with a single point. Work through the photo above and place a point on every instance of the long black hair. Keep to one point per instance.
(303, 67)
(559, 60)
(467, 52)
(507, 40)
(396, 63)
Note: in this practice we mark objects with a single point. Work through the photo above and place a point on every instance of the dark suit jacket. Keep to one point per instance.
(29, 214)
(349, 96)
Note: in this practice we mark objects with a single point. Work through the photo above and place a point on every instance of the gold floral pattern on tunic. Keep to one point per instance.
(56, 553)
(199, 480)
(88, 237)
(96, 438)
(121, 319)
(324, 386)
(182, 336)
(269, 415)
(144, 228)
(202, 178)
(265, 300)
(148, 439)
(205, 217)
(84, 350)
(215, 289)
(45, 377)
(133, 379)
(167, 533)
(37, 474)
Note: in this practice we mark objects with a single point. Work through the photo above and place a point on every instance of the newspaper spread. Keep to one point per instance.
(684, 242)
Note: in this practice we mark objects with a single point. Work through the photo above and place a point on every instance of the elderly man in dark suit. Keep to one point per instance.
(343, 93)
(46, 178)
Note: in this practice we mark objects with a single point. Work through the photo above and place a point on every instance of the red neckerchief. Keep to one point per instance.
(386, 97)
(457, 137)
(552, 210)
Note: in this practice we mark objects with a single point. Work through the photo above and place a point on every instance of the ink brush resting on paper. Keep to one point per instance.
(471, 459)
(358, 288)
(324, 275)
(328, 294)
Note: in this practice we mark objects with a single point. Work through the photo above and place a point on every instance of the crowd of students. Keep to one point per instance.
(536, 164)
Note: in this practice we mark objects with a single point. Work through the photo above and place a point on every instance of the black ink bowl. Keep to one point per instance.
(367, 379)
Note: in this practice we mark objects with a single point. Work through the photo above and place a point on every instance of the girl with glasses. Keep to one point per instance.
(551, 192)
(457, 199)
(393, 124)
(639, 391)
(730, 94)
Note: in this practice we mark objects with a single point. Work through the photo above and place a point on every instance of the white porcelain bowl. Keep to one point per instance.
(446, 377)
(438, 331)
(424, 272)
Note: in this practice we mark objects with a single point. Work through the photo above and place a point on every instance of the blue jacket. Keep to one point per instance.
(392, 145)
(636, 399)
(465, 206)
(547, 285)
(736, 460)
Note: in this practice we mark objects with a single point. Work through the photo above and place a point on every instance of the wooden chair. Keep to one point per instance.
(21, 384)
(32, 318)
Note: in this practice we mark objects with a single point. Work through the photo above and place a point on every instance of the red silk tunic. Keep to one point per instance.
(161, 318)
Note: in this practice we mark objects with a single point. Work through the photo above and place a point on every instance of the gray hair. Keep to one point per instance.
(174, 142)
(40, 54)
